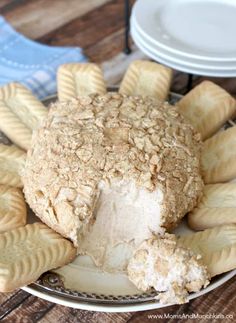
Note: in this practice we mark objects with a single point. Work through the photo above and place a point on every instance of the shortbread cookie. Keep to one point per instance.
(174, 271)
(217, 247)
(20, 113)
(77, 79)
(12, 160)
(147, 79)
(207, 107)
(12, 208)
(27, 252)
(217, 207)
(218, 158)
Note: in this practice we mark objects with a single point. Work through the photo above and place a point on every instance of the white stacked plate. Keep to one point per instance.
(193, 36)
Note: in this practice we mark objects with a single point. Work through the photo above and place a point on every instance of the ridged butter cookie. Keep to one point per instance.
(27, 252)
(12, 208)
(207, 107)
(217, 207)
(20, 113)
(75, 79)
(147, 79)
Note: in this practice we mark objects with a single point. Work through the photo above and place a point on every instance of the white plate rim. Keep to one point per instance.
(122, 308)
(180, 67)
(176, 58)
(138, 8)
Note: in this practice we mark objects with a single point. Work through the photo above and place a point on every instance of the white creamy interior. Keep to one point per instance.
(125, 216)
(176, 272)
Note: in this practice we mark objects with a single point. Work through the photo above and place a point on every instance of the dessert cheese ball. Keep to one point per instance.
(107, 171)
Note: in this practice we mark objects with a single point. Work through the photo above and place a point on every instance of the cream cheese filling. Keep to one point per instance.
(125, 215)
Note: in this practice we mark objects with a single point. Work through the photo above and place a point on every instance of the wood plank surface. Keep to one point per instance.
(4, 3)
(12, 302)
(73, 315)
(32, 309)
(38, 17)
(104, 49)
(91, 28)
(98, 27)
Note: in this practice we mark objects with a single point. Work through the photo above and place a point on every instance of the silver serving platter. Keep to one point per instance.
(82, 285)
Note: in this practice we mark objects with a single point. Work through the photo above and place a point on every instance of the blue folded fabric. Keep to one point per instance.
(31, 63)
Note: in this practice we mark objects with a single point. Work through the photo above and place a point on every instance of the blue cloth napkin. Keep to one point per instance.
(31, 63)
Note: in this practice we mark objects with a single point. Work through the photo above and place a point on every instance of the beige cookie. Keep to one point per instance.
(12, 208)
(27, 252)
(217, 207)
(12, 160)
(147, 79)
(218, 158)
(20, 113)
(76, 79)
(217, 247)
(207, 107)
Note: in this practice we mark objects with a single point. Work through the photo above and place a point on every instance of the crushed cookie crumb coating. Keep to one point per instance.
(104, 138)
(169, 268)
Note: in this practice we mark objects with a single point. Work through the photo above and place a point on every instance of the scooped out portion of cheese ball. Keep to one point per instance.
(108, 171)
(169, 268)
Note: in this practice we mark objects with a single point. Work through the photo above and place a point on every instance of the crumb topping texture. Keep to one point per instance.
(105, 138)
(169, 268)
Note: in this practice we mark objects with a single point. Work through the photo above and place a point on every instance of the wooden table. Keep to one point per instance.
(98, 27)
